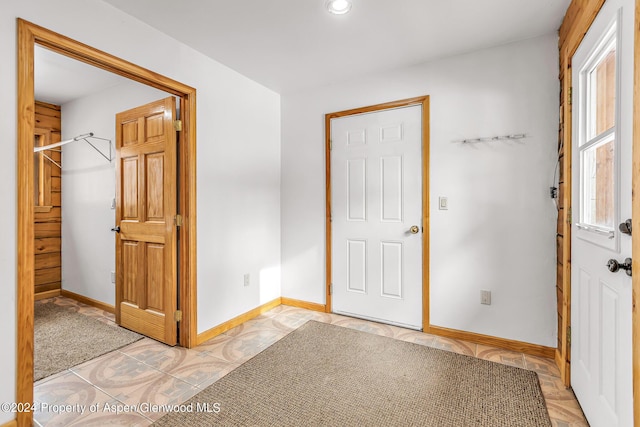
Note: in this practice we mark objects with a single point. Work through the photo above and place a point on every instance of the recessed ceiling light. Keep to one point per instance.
(338, 7)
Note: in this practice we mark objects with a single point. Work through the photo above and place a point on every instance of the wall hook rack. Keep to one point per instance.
(493, 138)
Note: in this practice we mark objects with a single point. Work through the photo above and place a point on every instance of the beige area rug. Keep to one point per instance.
(326, 375)
(64, 338)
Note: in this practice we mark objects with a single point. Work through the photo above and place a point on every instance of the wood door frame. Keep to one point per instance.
(29, 35)
(577, 21)
(424, 102)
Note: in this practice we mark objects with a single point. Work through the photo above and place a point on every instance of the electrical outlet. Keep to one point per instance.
(247, 279)
(485, 297)
(113, 277)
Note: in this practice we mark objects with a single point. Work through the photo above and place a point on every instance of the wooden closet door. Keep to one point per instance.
(146, 258)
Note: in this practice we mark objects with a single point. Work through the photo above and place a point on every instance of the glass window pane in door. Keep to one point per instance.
(602, 94)
(598, 184)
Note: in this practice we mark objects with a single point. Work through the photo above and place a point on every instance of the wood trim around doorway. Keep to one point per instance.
(424, 101)
(29, 35)
(577, 21)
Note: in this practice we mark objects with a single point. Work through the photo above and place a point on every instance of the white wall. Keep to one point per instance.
(88, 182)
(238, 162)
(499, 231)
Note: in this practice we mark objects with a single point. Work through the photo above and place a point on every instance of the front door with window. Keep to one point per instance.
(601, 369)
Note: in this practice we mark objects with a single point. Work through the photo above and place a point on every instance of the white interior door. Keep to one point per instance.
(376, 199)
(601, 369)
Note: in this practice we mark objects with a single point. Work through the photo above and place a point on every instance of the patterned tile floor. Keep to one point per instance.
(147, 371)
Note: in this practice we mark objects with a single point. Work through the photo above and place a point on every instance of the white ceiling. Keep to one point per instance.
(59, 79)
(288, 45)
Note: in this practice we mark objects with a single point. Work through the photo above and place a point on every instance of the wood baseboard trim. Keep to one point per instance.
(519, 346)
(557, 356)
(304, 304)
(44, 295)
(236, 321)
(12, 423)
(565, 369)
(88, 301)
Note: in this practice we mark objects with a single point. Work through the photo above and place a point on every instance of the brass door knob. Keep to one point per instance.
(414, 229)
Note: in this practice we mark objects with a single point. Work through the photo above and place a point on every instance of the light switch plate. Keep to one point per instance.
(443, 203)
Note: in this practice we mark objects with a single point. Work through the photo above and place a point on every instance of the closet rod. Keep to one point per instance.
(61, 143)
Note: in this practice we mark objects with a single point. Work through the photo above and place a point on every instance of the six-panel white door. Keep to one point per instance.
(602, 79)
(376, 199)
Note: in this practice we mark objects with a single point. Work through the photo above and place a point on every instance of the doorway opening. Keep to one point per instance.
(30, 36)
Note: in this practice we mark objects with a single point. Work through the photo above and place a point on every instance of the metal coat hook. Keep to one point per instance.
(493, 138)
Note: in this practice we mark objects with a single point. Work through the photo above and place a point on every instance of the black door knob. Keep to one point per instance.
(615, 266)
(116, 229)
(625, 227)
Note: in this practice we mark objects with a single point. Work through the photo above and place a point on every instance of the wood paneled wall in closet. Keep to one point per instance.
(47, 196)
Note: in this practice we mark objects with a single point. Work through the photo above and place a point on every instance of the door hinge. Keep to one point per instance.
(569, 216)
(177, 125)
(570, 95)
(330, 288)
(177, 316)
(330, 145)
(568, 336)
(178, 220)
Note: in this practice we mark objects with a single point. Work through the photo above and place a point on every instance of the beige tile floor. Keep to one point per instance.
(147, 371)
